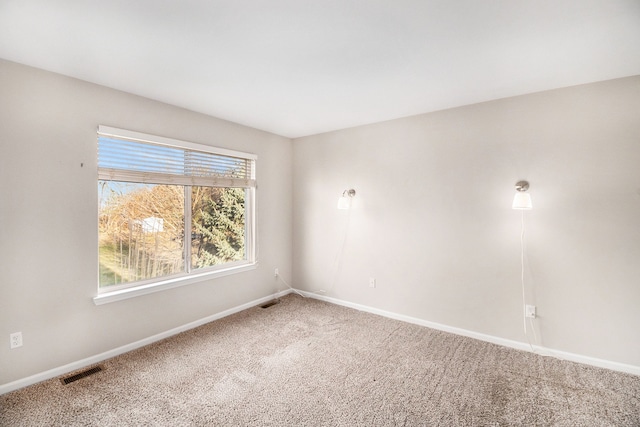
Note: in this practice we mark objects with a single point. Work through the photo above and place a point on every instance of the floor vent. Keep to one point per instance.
(79, 375)
(270, 303)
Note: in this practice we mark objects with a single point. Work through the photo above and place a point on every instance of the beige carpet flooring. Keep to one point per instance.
(304, 362)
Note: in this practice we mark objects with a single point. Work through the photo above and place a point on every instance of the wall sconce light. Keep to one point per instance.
(344, 202)
(522, 199)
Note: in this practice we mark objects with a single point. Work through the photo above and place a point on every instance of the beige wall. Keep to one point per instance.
(48, 220)
(432, 218)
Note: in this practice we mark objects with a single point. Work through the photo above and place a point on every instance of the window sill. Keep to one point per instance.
(123, 294)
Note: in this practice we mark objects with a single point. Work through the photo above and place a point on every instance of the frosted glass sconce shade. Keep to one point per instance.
(522, 199)
(344, 202)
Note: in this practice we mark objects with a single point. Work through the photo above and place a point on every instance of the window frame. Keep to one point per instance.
(189, 275)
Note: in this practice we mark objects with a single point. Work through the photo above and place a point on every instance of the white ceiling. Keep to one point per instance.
(301, 67)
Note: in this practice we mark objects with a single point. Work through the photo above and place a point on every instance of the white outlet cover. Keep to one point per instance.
(15, 339)
(530, 311)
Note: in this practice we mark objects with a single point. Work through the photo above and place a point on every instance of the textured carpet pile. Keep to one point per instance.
(304, 362)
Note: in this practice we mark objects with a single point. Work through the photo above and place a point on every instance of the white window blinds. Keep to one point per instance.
(131, 156)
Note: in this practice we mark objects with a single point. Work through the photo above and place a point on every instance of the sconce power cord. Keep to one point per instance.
(337, 260)
(295, 291)
(524, 300)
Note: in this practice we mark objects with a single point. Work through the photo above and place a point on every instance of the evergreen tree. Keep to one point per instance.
(218, 224)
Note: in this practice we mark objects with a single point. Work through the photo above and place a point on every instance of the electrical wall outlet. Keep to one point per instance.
(530, 311)
(15, 339)
(276, 272)
(372, 282)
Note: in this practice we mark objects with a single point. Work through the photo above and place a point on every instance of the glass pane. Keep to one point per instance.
(141, 228)
(217, 226)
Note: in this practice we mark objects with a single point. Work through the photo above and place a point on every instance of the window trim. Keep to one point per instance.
(187, 277)
(174, 282)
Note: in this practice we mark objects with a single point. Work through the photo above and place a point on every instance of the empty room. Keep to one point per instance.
(320, 213)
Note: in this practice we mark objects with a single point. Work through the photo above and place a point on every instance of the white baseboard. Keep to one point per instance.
(56, 372)
(543, 351)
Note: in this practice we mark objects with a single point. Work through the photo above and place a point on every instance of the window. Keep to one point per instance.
(171, 210)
